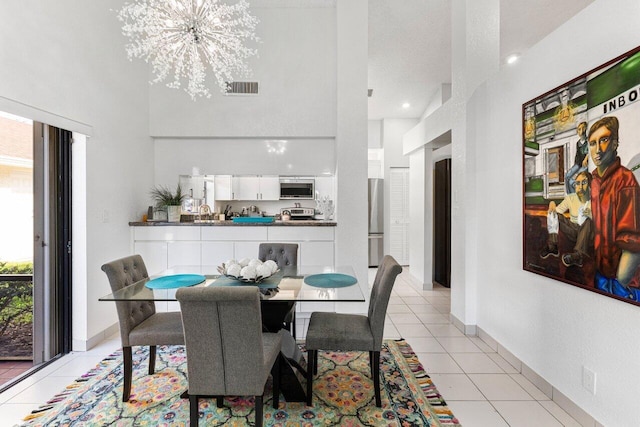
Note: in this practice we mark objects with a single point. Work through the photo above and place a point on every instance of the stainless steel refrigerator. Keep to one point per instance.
(376, 221)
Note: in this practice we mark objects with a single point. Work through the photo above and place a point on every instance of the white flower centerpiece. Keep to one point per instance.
(248, 270)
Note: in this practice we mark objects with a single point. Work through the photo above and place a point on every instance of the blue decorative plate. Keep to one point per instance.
(175, 281)
(330, 280)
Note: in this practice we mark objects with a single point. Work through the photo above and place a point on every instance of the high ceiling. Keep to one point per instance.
(410, 46)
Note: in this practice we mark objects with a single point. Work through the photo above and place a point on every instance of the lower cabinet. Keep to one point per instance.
(154, 254)
(215, 253)
(183, 253)
(162, 247)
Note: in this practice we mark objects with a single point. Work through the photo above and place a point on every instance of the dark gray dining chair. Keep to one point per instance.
(285, 255)
(227, 352)
(139, 322)
(353, 332)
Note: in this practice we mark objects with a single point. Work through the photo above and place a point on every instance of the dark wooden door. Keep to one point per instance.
(442, 223)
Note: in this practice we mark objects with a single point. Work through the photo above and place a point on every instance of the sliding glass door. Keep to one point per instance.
(52, 242)
(35, 249)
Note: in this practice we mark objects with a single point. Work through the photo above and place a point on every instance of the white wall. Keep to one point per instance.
(242, 156)
(64, 62)
(351, 142)
(553, 327)
(442, 153)
(421, 216)
(374, 133)
(296, 71)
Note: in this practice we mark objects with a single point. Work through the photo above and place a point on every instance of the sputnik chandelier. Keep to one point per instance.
(182, 37)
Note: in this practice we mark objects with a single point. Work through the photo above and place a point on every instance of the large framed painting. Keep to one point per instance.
(581, 168)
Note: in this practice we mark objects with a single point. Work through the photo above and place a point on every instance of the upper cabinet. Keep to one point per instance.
(247, 187)
(269, 188)
(223, 189)
(211, 188)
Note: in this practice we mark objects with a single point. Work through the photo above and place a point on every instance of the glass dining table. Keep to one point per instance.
(290, 284)
(279, 292)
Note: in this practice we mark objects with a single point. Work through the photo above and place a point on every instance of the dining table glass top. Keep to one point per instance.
(288, 284)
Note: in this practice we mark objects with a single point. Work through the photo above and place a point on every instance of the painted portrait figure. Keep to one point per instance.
(615, 202)
(581, 168)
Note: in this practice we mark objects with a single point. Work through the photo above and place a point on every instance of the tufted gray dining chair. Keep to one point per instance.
(139, 322)
(227, 352)
(284, 254)
(353, 332)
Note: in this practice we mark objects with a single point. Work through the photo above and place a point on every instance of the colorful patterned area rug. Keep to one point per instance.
(343, 395)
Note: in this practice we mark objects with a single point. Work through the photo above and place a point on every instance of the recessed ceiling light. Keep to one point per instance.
(512, 58)
(406, 105)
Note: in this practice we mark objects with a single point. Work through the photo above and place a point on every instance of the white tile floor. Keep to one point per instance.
(480, 386)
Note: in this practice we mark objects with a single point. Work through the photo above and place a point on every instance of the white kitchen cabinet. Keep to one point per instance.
(162, 247)
(154, 255)
(246, 187)
(316, 244)
(316, 253)
(169, 233)
(183, 253)
(310, 233)
(222, 187)
(245, 250)
(234, 233)
(269, 188)
(231, 242)
(256, 188)
(216, 253)
(193, 186)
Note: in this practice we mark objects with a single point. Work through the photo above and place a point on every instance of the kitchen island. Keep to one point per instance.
(167, 244)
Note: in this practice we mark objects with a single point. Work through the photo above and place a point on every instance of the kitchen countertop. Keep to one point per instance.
(291, 223)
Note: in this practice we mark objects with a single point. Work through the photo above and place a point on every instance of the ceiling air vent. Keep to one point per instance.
(242, 88)
(369, 93)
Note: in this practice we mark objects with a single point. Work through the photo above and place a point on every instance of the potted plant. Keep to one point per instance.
(172, 201)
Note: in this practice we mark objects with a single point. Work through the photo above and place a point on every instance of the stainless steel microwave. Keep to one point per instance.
(298, 189)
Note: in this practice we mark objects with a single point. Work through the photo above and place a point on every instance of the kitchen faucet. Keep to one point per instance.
(206, 209)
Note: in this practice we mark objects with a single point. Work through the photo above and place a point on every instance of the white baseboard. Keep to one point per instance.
(546, 387)
(85, 345)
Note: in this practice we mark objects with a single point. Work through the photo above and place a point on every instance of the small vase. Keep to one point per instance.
(173, 213)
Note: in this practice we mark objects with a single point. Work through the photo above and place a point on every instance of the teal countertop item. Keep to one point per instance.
(254, 219)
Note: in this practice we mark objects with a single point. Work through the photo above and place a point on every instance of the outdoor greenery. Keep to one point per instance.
(16, 297)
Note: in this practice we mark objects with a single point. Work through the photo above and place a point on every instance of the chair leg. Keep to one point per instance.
(311, 361)
(127, 359)
(193, 410)
(220, 401)
(258, 410)
(375, 369)
(315, 362)
(152, 359)
(371, 363)
(275, 373)
(293, 325)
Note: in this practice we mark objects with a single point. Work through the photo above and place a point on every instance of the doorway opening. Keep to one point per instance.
(35, 274)
(442, 223)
